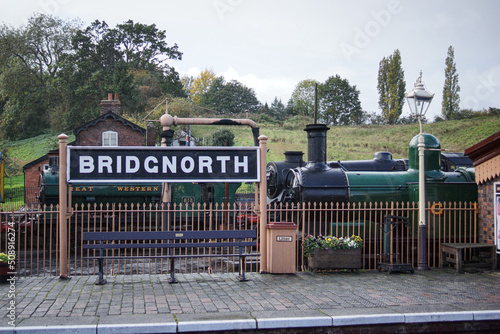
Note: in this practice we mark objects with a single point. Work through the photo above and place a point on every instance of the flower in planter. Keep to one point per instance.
(5, 258)
(330, 242)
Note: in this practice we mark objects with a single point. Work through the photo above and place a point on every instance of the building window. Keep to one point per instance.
(110, 138)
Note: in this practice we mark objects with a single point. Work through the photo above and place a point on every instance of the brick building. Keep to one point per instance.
(486, 158)
(109, 129)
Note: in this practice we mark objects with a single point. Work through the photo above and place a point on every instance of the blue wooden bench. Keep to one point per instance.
(234, 240)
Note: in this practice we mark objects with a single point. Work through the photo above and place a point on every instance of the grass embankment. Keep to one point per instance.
(360, 142)
(343, 142)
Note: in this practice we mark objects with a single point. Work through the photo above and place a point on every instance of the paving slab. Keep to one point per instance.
(203, 302)
(212, 321)
(291, 319)
(48, 325)
(137, 324)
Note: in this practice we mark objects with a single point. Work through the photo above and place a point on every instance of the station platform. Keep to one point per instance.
(438, 300)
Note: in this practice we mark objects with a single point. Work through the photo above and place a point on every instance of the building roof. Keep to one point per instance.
(486, 158)
(115, 117)
(35, 162)
(484, 150)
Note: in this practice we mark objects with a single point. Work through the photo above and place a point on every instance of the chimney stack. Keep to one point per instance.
(316, 146)
(111, 104)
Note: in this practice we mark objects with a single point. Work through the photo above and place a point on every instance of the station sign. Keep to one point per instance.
(91, 164)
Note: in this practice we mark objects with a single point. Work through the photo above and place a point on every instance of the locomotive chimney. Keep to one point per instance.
(316, 145)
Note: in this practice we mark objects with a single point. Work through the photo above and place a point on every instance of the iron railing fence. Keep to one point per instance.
(21, 196)
(31, 232)
(446, 222)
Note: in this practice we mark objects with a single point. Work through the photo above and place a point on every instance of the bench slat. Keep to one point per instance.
(170, 245)
(164, 256)
(169, 235)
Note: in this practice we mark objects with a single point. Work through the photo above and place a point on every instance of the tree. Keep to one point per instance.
(142, 45)
(391, 87)
(53, 73)
(128, 60)
(230, 98)
(222, 138)
(200, 85)
(303, 97)
(187, 82)
(339, 102)
(277, 110)
(30, 61)
(451, 99)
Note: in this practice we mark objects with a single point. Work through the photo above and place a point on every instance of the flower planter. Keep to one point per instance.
(4, 272)
(335, 259)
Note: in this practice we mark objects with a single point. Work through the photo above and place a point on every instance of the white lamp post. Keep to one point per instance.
(419, 100)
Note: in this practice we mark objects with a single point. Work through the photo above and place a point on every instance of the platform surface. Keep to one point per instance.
(219, 302)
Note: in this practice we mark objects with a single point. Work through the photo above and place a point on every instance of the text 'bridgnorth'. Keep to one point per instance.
(165, 165)
(162, 164)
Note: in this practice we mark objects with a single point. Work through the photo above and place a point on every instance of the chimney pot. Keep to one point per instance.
(110, 96)
(116, 97)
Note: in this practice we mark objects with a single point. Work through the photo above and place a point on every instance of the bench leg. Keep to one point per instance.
(493, 258)
(242, 269)
(172, 279)
(459, 259)
(101, 280)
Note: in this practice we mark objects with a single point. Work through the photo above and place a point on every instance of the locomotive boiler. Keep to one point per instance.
(366, 181)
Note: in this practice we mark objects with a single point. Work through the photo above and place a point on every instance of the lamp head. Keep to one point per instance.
(419, 99)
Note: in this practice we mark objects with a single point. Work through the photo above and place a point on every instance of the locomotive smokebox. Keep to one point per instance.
(277, 171)
(316, 145)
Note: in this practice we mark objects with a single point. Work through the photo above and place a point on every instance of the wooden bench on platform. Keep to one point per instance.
(235, 241)
(457, 249)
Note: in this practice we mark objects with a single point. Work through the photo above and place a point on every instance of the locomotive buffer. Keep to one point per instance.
(390, 223)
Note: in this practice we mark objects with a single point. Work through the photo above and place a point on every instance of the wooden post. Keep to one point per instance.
(263, 204)
(63, 207)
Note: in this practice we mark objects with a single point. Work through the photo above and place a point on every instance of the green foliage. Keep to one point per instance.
(277, 110)
(391, 87)
(297, 122)
(28, 74)
(303, 97)
(5, 258)
(451, 99)
(265, 118)
(229, 98)
(222, 138)
(143, 46)
(20, 152)
(343, 142)
(311, 243)
(12, 182)
(339, 102)
(59, 83)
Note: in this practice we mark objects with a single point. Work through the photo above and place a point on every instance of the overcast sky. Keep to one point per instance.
(270, 46)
